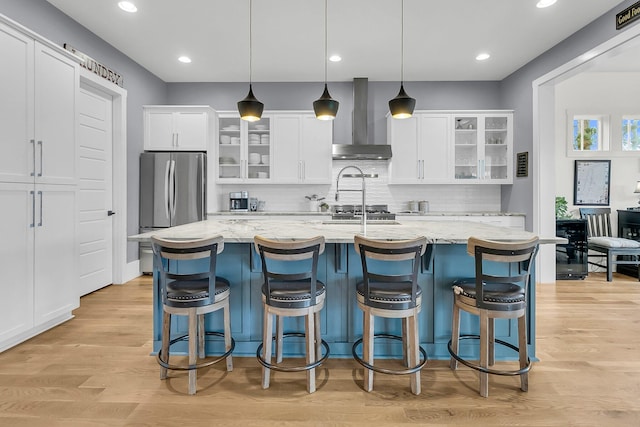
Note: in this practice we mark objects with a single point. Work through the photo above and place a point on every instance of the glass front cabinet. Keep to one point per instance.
(483, 147)
(244, 149)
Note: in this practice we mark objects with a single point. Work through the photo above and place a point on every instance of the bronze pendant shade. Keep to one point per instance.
(250, 108)
(325, 107)
(402, 106)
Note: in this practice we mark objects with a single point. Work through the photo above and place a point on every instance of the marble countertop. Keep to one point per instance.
(303, 214)
(243, 230)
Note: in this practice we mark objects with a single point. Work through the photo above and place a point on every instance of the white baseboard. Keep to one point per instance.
(32, 332)
(131, 271)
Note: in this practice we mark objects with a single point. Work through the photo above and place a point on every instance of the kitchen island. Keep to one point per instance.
(339, 268)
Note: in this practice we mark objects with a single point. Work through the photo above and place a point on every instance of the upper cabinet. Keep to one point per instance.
(302, 149)
(452, 147)
(177, 128)
(420, 147)
(38, 109)
(483, 147)
(280, 148)
(244, 149)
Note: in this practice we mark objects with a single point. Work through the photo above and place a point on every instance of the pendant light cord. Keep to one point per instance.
(326, 38)
(250, 41)
(402, 45)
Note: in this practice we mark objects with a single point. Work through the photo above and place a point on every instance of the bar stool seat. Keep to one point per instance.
(291, 289)
(192, 294)
(392, 296)
(498, 291)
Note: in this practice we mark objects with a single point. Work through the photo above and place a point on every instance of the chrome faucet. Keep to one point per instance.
(363, 190)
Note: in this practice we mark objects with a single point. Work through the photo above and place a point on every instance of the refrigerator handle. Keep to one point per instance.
(172, 189)
(203, 187)
(166, 190)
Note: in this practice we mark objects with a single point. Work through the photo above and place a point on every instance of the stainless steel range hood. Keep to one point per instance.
(361, 148)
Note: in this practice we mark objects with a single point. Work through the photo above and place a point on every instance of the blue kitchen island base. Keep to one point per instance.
(339, 268)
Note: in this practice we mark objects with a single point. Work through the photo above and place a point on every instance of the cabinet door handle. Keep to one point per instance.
(40, 194)
(177, 143)
(33, 142)
(33, 209)
(418, 168)
(40, 144)
(421, 169)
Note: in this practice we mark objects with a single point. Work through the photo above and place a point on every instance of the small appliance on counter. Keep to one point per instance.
(239, 201)
(253, 204)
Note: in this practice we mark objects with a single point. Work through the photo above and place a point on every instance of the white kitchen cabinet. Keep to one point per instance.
(56, 253)
(302, 149)
(177, 128)
(281, 148)
(16, 261)
(421, 149)
(38, 107)
(244, 149)
(38, 258)
(483, 147)
(38, 184)
(449, 147)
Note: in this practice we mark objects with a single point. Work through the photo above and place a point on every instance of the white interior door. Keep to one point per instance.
(95, 196)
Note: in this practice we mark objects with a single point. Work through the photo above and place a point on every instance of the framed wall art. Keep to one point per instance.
(591, 182)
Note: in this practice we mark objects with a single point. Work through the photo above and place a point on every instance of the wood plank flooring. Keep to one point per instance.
(96, 370)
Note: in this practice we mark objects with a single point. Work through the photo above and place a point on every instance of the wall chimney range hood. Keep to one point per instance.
(361, 148)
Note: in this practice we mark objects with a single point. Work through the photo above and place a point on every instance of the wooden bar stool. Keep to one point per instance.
(192, 294)
(391, 296)
(498, 291)
(291, 288)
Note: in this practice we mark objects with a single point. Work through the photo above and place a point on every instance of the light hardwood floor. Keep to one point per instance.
(95, 370)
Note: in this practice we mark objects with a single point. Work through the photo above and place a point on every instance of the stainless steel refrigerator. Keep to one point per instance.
(172, 192)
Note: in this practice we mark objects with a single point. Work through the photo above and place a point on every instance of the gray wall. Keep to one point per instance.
(300, 96)
(517, 94)
(142, 86)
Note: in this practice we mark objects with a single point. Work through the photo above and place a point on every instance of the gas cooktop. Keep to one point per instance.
(374, 212)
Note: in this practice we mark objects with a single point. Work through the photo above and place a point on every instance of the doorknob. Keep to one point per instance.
(110, 213)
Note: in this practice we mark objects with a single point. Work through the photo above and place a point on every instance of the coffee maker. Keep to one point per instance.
(239, 201)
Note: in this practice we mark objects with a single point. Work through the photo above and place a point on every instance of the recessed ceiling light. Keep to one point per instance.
(184, 59)
(482, 56)
(127, 6)
(335, 58)
(545, 3)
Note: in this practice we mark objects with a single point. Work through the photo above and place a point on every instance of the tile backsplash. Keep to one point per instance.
(442, 198)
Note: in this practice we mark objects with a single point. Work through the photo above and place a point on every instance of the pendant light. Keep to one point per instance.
(325, 107)
(401, 107)
(250, 108)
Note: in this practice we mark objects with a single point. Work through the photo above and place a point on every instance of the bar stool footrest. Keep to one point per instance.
(196, 366)
(292, 368)
(411, 370)
(477, 367)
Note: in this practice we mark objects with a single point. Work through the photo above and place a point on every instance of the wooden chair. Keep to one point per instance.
(501, 294)
(192, 294)
(390, 295)
(617, 250)
(290, 289)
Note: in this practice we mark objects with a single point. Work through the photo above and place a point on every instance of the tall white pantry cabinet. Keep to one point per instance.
(39, 83)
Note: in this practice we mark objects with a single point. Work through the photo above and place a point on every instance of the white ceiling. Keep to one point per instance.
(441, 37)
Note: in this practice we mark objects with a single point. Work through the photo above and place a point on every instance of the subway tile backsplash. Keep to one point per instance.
(442, 198)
